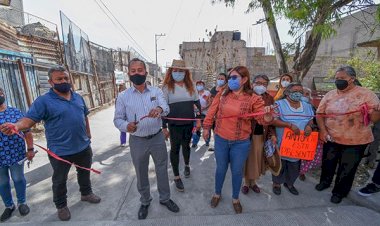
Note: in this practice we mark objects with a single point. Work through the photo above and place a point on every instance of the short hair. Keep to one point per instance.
(223, 74)
(263, 76)
(348, 69)
(308, 90)
(200, 82)
(53, 69)
(290, 86)
(136, 60)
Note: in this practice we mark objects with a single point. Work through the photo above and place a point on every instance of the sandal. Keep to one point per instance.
(237, 207)
(215, 201)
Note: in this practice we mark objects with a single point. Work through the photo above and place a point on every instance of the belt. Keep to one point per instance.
(152, 135)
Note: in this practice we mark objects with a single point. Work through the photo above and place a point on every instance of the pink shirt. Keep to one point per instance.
(348, 129)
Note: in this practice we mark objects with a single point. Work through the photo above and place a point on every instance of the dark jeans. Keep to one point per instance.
(180, 136)
(61, 170)
(347, 158)
(289, 172)
(376, 175)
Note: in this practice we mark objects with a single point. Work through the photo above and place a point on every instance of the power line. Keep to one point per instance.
(122, 26)
(174, 22)
(123, 30)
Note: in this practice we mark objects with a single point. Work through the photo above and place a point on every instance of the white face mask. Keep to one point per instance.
(285, 83)
(259, 89)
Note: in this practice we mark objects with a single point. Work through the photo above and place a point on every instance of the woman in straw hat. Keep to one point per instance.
(181, 96)
(232, 134)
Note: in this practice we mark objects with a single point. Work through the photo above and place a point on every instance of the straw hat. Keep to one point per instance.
(274, 161)
(180, 64)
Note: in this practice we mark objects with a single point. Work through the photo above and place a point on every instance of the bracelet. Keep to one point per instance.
(30, 149)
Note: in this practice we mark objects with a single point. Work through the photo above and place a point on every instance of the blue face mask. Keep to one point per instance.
(234, 83)
(200, 87)
(220, 82)
(178, 76)
(295, 96)
(305, 99)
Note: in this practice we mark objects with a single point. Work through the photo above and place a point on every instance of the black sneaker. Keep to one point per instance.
(143, 212)
(369, 190)
(7, 213)
(179, 184)
(194, 146)
(321, 186)
(186, 172)
(211, 149)
(207, 144)
(171, 206)
(23, 209)
(336, 199)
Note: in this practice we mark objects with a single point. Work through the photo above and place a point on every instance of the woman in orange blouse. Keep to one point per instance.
(232, 134)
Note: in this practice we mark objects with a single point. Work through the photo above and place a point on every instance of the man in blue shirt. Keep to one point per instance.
(146, 139)
(68, 135)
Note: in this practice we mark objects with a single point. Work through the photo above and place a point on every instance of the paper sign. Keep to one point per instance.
(298, 146)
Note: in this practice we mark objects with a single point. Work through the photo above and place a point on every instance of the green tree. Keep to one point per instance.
(368, 72)
(312, 17)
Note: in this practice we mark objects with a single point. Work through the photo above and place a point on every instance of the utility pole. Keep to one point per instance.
(156, 37)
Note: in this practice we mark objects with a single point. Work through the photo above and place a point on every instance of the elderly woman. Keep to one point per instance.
(296, 115)
(346, 136)
(232, 133)
(180, 93)
(255, 165)
(12, 150)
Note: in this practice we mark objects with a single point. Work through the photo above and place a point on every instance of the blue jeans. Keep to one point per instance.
(234, 152)
(17, 173)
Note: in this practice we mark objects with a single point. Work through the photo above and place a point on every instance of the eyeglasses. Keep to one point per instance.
(261, 83)
(233, 77)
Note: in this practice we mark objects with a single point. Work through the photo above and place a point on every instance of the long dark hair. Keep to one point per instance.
(243, 72)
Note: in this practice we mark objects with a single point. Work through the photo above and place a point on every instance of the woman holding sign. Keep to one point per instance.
(297, 116)
(346, 134)
(232, 130)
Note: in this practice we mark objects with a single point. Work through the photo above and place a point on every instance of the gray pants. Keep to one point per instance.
(141, 149)
(289, 172)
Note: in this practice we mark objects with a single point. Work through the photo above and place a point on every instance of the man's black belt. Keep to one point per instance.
(153, 135)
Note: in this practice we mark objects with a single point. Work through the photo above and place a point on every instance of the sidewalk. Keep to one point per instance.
(120, 199)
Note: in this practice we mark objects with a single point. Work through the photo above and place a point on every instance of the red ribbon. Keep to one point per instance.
(52, 154)
(364, 110)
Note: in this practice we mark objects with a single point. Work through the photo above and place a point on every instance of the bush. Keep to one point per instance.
(368, 72)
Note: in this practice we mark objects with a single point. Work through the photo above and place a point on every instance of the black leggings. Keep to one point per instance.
(180, 136)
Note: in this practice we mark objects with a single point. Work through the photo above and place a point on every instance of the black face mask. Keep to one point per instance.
(2, 100)
(62, 87)
(137, 79)
(341, 84)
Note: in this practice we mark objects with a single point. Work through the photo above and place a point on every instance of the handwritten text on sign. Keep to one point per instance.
(298, 146)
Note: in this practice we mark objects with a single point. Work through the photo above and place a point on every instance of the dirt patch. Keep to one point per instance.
(361, 178)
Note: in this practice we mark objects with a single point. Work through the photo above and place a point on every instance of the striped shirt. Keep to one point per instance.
(181, 104)
(131, 106)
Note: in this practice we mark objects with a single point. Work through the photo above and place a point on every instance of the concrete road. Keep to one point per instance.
(120, 199)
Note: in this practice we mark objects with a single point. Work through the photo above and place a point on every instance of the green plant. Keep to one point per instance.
(368, 72)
